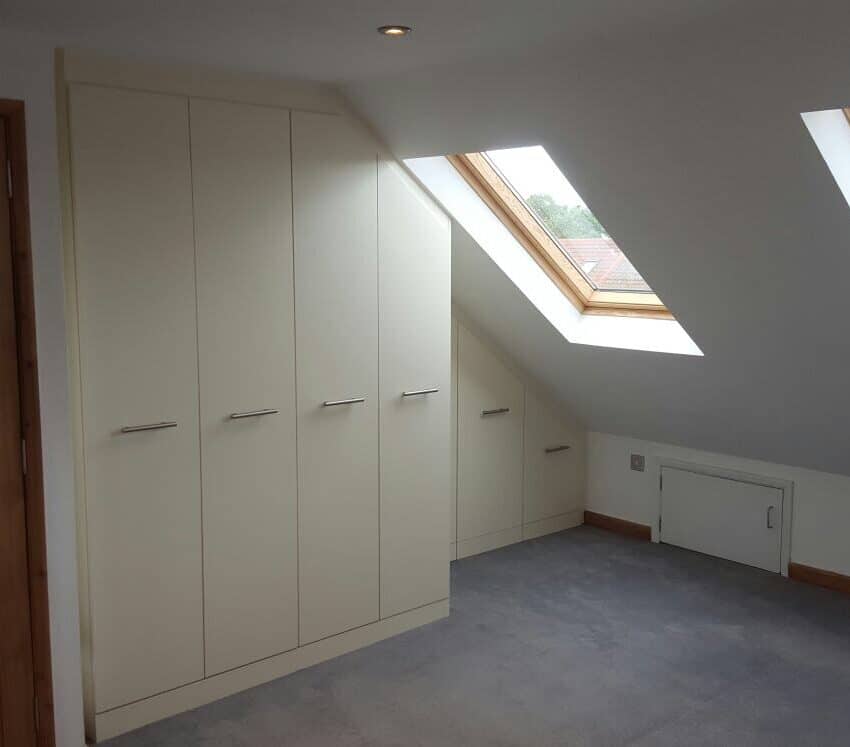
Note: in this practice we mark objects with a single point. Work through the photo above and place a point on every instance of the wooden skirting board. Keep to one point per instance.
(818, 577)
(620, 526)
(796, 571)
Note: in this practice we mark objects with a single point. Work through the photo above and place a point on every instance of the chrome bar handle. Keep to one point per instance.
(553, 449)
(149, 427)
(417, 392)
(336, 402)
(252, 414)
(497, 411)
(770, 517)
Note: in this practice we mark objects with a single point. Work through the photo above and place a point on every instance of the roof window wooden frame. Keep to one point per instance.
(512, 211)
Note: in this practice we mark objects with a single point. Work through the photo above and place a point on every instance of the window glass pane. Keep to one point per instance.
(533, 175)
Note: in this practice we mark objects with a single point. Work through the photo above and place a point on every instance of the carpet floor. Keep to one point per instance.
(578, 638)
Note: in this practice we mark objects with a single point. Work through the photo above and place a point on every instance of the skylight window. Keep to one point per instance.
(535, 200)
(830, 130)
(485, 228)
(544, 188)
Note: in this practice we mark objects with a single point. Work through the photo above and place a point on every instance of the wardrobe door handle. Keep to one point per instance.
(336, 402)
(149, 427)
(553, 449)
(770, 517)
(497, 411)
(417, 392)
(252, 414)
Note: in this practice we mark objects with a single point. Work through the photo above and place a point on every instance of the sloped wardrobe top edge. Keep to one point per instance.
(80, 66)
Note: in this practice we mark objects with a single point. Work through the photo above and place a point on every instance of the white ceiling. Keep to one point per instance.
(335, 40)
(677, 121)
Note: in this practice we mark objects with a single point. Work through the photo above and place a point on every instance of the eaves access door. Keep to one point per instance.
(722, 516)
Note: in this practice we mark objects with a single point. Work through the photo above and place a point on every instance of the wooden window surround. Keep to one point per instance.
(480, 174)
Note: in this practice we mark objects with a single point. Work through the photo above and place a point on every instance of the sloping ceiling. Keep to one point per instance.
(678, 122)
(690, 149)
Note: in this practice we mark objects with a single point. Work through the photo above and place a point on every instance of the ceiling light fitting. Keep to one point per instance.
(394, 30)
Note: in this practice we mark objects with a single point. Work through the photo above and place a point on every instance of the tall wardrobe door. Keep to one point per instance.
(490, 417)
(334, 168)
(554, 462)
(138, 355)
(415, 309)
(453, 443)
(243, 218)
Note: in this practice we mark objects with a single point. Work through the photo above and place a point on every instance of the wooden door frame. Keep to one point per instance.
(12, 113)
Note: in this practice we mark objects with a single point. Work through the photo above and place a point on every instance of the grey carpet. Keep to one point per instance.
(578, 638)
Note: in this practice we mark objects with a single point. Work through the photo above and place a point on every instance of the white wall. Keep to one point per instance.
(26, 72)
(821, 500)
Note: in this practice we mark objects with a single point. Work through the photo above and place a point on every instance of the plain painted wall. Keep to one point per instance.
(821, 500)
(27, 73)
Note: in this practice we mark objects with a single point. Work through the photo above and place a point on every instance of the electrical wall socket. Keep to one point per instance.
(638, 463)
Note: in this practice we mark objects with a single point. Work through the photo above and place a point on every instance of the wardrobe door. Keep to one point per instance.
(453, 446)
(334, 170)
(138, 356)
(246, 351)
(490, 417)
(415, 309)
(554, 462)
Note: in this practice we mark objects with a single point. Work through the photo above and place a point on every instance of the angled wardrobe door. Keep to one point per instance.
(415, 309)
(553, 472)
(243, 218)
(335, 204)
(138, 356)
(490, 420)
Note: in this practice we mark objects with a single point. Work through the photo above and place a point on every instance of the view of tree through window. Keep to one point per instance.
(565, 221)
(535, 177)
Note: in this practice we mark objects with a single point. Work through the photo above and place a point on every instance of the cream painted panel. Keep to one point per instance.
(554, 480)
(489, 491)
(488, 542)
(336, 293)
(138, 354)
(554, 524)
(220, 686)
(453, 440)
(243, 218)
(414, 246)
(721, 516)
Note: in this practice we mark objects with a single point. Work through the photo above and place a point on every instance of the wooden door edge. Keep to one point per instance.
(22, 266)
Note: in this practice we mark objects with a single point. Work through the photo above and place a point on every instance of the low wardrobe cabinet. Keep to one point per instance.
(520, 454)
(262, 358)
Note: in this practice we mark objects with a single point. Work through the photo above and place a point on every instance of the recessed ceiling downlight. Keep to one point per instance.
(394, 30)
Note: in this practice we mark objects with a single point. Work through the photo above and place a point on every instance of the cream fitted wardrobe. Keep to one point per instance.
(520, 456)
(263, 319)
